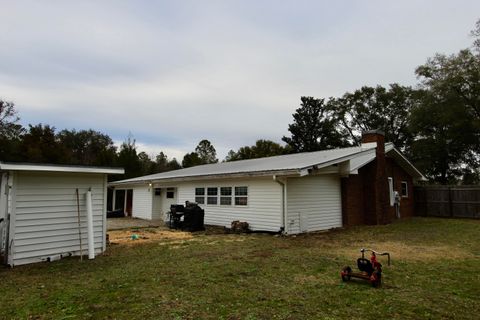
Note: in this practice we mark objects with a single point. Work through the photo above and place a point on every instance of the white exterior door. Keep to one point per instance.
(169, 197)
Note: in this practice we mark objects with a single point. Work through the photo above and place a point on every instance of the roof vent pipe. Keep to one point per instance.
(91, 246)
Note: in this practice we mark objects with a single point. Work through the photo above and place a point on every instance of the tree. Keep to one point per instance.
(447, 122)
(10, 132)
(314, 128)
(40, 145)
(128, 158)
(261, 149)
(174, 165)
(191, 160)
(371, 108)
(147, 166)
(162, 164)
(206, 152)
(444, 138)
(88, 147)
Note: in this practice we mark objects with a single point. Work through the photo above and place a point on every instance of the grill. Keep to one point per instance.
(189, 217)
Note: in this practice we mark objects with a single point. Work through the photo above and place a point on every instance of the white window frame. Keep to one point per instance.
(211, 196)
(406, 189)
(226, 196)
(204, 195)
(242, 196)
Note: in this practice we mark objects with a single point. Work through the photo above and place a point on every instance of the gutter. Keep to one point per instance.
(150, 179)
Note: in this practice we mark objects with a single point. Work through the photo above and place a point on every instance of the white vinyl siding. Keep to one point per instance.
(313, 203)
(264, 209)
(142, 202)
(45, 214)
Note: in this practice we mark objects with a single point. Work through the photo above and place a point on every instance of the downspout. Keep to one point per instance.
(284, 200)
(7, 219)
(91, 245)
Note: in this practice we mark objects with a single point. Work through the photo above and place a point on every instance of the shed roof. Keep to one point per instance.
(58, 168)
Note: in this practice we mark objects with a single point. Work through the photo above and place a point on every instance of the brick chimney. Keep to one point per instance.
(378, 213)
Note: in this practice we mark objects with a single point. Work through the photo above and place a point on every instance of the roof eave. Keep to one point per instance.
(417, 174)
(340, 159)
(293, 172)
(58, 168)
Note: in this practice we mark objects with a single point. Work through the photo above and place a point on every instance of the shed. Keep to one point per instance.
(290, 193)
(40, 216)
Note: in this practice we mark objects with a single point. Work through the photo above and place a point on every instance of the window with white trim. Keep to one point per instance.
(241, 196)
(226, 196)
(212, 196)
(404, 189)
(200, 195)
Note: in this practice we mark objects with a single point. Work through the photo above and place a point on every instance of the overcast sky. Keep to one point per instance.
(175, 72)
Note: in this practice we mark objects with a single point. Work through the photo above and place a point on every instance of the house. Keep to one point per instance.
(46, 209)
(290, 193)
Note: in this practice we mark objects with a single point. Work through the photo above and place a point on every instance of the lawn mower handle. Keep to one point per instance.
(363, 250)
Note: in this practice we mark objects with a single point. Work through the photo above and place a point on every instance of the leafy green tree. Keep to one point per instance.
(447, 122)
(88, 147)
(206, 152)
(174, 165)
(191, 160)
(128, 159)
(314, 128)
(162, 163)
(261, 149)
(444, 138)
(40, 145)
(146, 163)
(10, 132)
(370, 108)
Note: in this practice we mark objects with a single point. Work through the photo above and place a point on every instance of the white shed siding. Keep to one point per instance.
(317, 200)
(142, 202)
(45, 214)
(264, 209)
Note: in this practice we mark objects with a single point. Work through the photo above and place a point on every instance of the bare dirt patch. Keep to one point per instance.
(140, 236)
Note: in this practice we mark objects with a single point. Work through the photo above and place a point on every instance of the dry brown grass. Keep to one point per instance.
(124, 237)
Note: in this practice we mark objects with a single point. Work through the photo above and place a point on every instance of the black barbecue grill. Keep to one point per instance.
(189, 217)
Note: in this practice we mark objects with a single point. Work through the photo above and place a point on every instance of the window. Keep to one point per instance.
(404, 189)
(200, 195)
(241, 196)
(390, 190)
(226, 196)
(158, 191)
(170, 193)
(212, 194)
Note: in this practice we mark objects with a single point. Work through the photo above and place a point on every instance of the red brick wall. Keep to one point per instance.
(353, 200)
(359, 196)
(366, 197)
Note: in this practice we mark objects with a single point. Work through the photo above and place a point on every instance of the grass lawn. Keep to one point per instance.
(435, 274)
